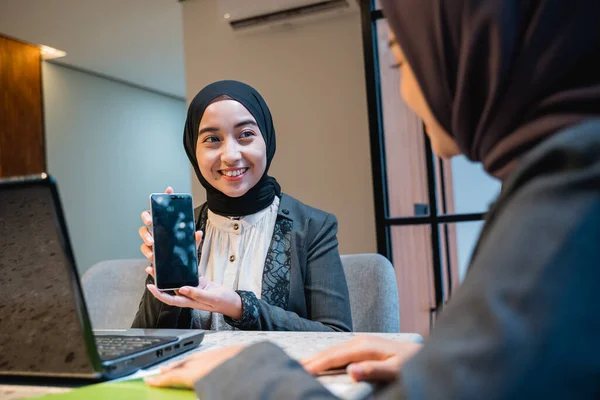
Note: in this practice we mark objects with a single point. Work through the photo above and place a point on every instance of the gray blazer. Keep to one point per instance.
(304, 286)
(524, 324)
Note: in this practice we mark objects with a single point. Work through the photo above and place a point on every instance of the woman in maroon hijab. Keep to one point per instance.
(515, 85)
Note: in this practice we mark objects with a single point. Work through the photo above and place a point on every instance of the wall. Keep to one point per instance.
(109, 146)
(312, 77)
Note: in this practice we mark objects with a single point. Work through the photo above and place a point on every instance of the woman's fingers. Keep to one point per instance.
(150, 271)
(173, 365)
(198, 236)
(199, 295)
(193, 367)
(177, 301)
(385, 370)
(333, 357)
(146, 236)
(147, 252)
(169, 190)
(170, 378)
(355, 350)
(147, 218)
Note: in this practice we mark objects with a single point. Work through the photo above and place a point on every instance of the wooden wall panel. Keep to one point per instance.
(407, 186)
(22, 148)
(448, 229)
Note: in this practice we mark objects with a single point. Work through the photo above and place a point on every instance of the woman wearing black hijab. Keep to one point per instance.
(266, 260)
(515, 85)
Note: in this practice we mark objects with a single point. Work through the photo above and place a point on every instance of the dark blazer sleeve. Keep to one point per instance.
(325, 289)
(262, 371)
(523, 326)
(153, 313)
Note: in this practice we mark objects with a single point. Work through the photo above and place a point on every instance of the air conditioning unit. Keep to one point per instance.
(252, 15)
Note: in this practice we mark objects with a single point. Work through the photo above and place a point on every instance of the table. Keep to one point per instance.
(296, 344)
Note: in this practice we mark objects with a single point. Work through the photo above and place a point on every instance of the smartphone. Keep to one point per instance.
(173, 228)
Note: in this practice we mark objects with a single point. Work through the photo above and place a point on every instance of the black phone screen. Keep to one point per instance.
(175, 259)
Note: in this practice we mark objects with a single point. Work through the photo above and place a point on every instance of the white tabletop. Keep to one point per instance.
(296, 344)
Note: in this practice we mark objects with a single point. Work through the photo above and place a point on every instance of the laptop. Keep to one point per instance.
(45, 329)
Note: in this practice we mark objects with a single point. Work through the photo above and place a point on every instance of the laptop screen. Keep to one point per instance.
(40, 324)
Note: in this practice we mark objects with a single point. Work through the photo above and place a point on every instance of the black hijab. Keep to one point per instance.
(502, 75)
(261, 195)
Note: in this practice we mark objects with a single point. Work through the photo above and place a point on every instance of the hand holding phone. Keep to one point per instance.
(173, 228)
(205, 295)
(177, 244)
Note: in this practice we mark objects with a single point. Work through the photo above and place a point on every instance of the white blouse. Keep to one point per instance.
(234, 250)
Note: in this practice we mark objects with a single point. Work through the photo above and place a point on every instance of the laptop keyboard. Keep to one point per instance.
(111, 347)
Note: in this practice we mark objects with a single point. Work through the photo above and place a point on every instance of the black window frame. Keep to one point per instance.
(383, 221)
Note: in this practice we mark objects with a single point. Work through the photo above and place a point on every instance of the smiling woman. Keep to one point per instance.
(266, 260)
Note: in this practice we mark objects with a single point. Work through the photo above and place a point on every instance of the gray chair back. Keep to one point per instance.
(373, 293)
(113, 290)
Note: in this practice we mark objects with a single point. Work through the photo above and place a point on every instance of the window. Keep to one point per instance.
(428, 211)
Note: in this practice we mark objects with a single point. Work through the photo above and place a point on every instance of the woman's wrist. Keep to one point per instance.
(236, 308)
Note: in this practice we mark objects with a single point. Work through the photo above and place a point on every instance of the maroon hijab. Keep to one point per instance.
(502, 75)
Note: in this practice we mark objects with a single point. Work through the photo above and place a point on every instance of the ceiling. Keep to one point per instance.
(137, 41)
